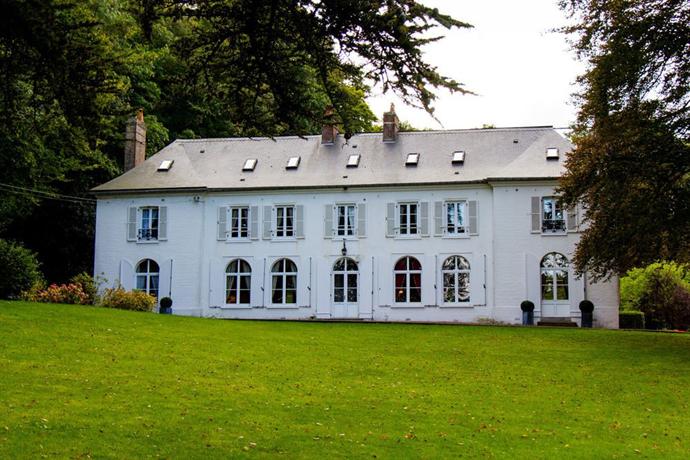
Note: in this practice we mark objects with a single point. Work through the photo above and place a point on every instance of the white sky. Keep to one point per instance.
(523, 74)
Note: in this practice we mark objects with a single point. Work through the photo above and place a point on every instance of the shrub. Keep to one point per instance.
(64, 293)
(631, 320)
(89, 285)
(19, 269)
(128, 300)
(661, 291)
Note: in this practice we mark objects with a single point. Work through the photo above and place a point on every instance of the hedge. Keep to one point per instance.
(631, 320)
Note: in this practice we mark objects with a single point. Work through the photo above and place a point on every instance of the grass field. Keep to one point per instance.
(85, 382)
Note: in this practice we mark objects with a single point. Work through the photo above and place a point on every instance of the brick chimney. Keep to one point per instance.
(329, 132)
(390, 125)
(135, 141)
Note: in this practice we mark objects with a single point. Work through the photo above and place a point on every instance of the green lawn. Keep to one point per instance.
(85, 382)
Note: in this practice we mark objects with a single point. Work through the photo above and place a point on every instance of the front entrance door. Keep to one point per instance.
(554, 286)
(345, 289)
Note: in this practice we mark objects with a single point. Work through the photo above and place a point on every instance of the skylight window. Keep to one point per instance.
(412, 159)
(458, 157)
(353, 161)
(552, 153)
(165, 165)
(249, 164)
(293, 163)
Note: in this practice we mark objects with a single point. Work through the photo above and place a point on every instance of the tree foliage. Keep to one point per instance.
(631, 163)
(72, 72)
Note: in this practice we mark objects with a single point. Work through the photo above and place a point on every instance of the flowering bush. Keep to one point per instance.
(71, 293)
(128, 300)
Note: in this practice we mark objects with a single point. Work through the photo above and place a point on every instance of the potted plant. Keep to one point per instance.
(527, 308)
(587, 307)
(166, 305)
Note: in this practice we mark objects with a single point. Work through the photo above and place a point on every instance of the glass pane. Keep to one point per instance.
(460, 217)
(290, 296)
(547, 291)
(277, 296)
(291, 281)
(450, 217)
(232, 267)
(400, 294)
(245, 282)
(401, 264)
(415, 294)
(414, 264)
(352, 294)
(231, 283)
(338, 280)
(153, 282)
(463, 287)
(449, 295)
(352, 280)
(231, 297)
(352, 265)
(463, 264)
(339, 295)
(141, 282)
(245, 296)
(350, 220)
(415, 280)
(561, 292)
(400, 281)
(290, 266)
(560, 260)
(413, 218)
(403, 219)
(449, 263)
(448, 281)
(561, 277)
(339, 265)
(244, 267)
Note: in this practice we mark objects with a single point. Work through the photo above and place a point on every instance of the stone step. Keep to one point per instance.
(557, 322)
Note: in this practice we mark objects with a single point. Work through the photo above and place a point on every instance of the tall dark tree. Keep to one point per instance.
(631, 163)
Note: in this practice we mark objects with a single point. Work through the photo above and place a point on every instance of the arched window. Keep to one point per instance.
(345, 273)
(408, 280)
(284, 282)
(238, 282)
(554, 278)
(147, 277)
(456, 279)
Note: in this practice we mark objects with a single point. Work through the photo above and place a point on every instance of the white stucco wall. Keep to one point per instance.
(504, 256)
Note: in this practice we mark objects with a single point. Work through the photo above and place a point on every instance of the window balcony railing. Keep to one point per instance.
(553, 225)
(147, 234)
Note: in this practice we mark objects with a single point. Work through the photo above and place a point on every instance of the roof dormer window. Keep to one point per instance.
(165, 165)
(249, 164)
(353, 161)
(552, 153)
(458, 157)
(293, 163)
(412, 159)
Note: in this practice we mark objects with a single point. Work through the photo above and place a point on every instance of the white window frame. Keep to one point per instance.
(147, 276)
(458, 204)
(407, 272)
(542, 219)
(141, 212)
(285, 228)
(349, 232)
(551, 272)
(408, 220)
(456, 272)
(283, 290)
(231, 222)
(238, 275)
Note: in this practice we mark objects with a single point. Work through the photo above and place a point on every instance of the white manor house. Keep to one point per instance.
(457, 225)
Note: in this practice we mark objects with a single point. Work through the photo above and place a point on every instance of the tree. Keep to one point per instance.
(631, 163)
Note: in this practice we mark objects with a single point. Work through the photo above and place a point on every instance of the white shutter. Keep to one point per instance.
(164, 279)
(473, 209)
(390, 220)
(424, 218)
(217, 277)
(536, 214)
(254, 222)
(328, 221)
(163, 223)
(438, 218)
(299, 221)
(362, 220)
(222, 223)
(532, 280)
(268, 213)
(132, 223)
(126, 275)
(572, 222)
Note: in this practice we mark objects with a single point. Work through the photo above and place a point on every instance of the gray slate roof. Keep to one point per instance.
(216, 164)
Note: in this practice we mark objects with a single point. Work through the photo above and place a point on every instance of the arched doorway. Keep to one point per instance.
(345, 288)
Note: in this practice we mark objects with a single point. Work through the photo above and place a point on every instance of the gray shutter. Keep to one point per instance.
(268, 213)
(474, 217)
(163, 223)
(299, 221)
(222, 223)
(572, 219)
(390, 220)
(362, 220)
(132, 224)
(536, 214)
(438, 218)
(328, 221)
(424, 217)
(254, 222)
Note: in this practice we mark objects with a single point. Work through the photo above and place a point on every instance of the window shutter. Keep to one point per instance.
(390, 220)
(362, 220)
(438, 218)
(299, 221)
(132, 224)
(572, 219)
(424, 217)
(222, 223)
(473, 217)
(163, 223)
(328, 221)
(536, 214)
(254, 222)
(268, 213)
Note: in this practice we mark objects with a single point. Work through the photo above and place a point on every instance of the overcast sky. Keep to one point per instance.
(523, 74)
